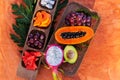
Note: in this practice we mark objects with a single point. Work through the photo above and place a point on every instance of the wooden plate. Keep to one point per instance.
(22, 71)
(71, 69)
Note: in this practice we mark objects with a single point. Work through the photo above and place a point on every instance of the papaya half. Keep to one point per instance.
(73, 34)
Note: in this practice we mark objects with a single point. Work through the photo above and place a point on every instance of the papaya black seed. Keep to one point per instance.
(70, 35)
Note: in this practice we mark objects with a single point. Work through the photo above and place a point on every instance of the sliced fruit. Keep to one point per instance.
(70, 54)
(42, 19)
(29, 59)
(73, 34)
(46, 22)
(45, 15)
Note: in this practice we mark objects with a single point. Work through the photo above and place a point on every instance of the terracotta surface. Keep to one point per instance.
(102, 61)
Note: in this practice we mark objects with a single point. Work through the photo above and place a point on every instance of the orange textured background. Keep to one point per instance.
(102, 60)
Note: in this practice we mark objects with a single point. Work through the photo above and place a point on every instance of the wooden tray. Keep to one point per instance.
(71, 69)
(22, 71)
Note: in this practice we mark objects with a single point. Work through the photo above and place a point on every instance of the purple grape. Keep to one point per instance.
(84, 19)
(71, 20)
(73, 14)
(79, 18)
(42, 36)
(88, 24)
(38, 34)
(40, 45)
(31, 40)
(30, 35)
(36, 43)
(88, 19)
(81, 14)
(35, 37)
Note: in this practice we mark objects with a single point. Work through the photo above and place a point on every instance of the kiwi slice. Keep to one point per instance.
(70, 54)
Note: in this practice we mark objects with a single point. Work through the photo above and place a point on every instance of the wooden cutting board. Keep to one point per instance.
(102, 60)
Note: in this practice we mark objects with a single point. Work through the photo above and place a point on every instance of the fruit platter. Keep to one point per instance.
(70, 36)
(68, 44)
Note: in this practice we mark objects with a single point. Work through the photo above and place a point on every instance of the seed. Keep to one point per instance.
(69, 35)
(70, 54)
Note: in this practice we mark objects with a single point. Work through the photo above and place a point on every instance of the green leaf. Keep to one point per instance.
(87, 11)
(22, 20)
(15, 38)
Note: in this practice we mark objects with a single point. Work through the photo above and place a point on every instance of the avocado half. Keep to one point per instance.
(70, 54)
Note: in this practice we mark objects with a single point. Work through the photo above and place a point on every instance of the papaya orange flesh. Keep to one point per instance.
(73, 34)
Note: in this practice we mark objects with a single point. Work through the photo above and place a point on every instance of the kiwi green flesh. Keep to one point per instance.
(70, 54)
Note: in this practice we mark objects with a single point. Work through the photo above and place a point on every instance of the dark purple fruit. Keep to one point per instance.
(40, 45)
(37, 34)
(36, 39)
(30, 36)
(78, 19)
(88, 24)
(88, 19)
(42, 37)
(31, 40)
(36, 43)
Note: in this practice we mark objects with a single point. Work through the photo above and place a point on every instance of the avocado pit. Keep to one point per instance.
(70, 54)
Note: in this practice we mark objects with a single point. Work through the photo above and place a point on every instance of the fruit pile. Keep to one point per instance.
(36, 39)
(48, 3)
(30, 58)
(78, 19)
(42, 19)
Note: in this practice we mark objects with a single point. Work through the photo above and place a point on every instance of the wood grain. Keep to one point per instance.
(102, 61)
